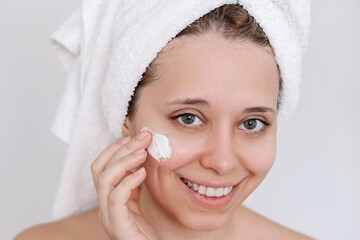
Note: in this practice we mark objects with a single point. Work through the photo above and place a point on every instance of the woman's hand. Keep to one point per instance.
(118, 189)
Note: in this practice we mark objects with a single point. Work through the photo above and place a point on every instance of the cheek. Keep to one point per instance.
(182, 153)
(259, 158)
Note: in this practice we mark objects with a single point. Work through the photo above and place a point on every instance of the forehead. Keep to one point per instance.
(217, 70)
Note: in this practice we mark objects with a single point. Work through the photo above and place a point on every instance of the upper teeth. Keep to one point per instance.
(208, 191)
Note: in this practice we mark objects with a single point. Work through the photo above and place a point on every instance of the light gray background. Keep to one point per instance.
(314, 186)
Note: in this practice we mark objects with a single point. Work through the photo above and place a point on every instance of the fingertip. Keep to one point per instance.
(140, 171)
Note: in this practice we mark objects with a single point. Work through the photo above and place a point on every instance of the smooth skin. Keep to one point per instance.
(239, 82)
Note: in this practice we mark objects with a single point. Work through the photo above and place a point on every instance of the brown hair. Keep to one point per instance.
(231, 21)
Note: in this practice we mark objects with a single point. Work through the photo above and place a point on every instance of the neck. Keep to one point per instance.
(167, 227)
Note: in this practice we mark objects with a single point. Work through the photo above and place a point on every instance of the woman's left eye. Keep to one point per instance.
(253, 125)
(188, 119)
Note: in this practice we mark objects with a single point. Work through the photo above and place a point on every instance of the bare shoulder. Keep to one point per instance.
(265, 228)
(81, 226)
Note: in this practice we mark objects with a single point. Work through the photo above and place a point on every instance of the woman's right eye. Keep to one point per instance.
(188, 119)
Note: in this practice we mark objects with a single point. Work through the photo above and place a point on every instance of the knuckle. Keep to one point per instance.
(94, 167)
(112, 199)
(123, 184)
(103, 180)
(128, 147)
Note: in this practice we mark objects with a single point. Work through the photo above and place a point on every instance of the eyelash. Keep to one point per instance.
(259, 132)
(266, 124)
(184, 125)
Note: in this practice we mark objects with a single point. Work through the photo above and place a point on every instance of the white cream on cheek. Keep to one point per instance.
(159, 147)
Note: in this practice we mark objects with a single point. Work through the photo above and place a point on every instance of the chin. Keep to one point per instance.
(188, 216)
(203, 221)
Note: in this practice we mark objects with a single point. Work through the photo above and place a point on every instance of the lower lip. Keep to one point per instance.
(210, 202)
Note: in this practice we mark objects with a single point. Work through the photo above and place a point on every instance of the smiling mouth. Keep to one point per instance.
(207, 191)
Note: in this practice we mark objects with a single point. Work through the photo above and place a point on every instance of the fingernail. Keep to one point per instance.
(140, 171)
(142, 135)
(125, 140)
(140, 151)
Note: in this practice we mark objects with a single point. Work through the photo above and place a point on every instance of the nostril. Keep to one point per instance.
(220, 155)
(220, 165)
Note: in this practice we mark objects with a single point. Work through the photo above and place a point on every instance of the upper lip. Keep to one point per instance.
(211, 184)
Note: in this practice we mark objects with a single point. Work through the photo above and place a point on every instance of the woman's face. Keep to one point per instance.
(216, 101)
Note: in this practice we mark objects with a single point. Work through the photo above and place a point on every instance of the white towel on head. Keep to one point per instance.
(106, 46)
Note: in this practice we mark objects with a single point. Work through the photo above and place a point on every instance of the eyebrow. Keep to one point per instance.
(202, 102)
(258, 109)
(188, 101)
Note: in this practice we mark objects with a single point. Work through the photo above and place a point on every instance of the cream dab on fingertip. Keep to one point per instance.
(159, 147)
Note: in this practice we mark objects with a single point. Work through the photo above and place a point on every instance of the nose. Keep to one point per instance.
(220, 157)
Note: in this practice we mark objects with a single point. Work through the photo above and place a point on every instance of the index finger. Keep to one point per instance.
(104, 157)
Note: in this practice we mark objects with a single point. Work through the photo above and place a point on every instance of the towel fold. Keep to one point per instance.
(105, 46)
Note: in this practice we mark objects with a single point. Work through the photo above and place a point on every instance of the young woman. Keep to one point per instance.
(214, 91)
